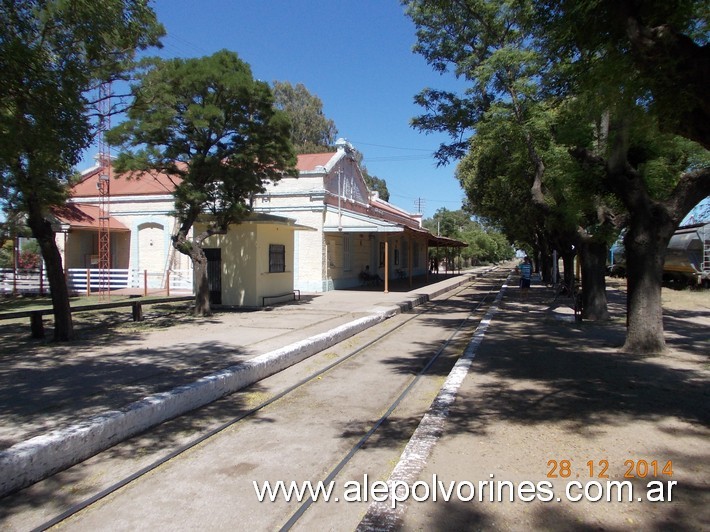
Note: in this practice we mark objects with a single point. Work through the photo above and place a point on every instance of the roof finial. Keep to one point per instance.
(343, 144)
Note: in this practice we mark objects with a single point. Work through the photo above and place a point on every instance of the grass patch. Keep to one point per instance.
(687, 299)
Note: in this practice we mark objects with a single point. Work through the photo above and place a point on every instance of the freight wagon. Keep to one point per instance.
(688, 255)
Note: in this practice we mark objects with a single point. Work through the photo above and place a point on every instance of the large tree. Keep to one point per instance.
(53, 56)
(658, 190)
(311, 130)
(489, 44)
(512, 54)
(642, 67)
(212, 127)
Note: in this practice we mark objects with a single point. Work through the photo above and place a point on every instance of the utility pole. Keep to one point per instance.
(419, 204)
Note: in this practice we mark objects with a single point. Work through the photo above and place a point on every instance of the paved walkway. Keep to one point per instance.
(542, 389)
(45, 386)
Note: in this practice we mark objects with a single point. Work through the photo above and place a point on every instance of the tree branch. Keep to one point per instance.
(678, 70)
(689, 191)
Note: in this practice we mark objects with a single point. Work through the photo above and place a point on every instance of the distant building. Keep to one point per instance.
(140, 223)
(253, 261)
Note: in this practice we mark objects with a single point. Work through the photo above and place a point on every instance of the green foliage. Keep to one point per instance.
(376, 184)
(564, 113)
(535, 94)
(484, 42)
(496, 174)
(311, 131)
(210, 124)
(485, 244)
(6, 254)
(656, 51)
(52, 55)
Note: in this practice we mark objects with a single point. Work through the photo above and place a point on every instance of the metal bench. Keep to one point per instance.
(295, 294)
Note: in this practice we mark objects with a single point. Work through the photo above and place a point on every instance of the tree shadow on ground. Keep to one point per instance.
(456, 515)
(581, 379)
(541, 368)
(38, 397)
(534, 369)
(106, 327)
(684, 328)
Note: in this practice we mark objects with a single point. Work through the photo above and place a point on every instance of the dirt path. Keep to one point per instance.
(542, 391)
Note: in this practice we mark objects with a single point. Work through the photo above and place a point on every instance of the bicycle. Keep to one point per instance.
(575, 293)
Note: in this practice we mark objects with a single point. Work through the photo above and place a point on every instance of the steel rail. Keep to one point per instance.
(403, 394)
(418, 313)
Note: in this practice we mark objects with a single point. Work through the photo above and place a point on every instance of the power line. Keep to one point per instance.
(397, 158)
(356, 142)
(459, 201)
(189, 44)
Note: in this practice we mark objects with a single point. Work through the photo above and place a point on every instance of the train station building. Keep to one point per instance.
(321, 230)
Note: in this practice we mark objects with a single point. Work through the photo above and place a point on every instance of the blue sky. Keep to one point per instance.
(355, 55)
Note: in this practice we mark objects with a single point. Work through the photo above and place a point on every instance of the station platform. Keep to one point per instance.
(540, 389)
(552, 416)
(62, 402)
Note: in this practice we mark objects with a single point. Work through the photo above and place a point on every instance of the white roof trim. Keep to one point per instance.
(350, 222)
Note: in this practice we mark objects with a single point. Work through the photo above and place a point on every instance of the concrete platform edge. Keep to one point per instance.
(32, 460)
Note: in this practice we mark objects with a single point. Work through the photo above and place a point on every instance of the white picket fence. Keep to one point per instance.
(87, 280)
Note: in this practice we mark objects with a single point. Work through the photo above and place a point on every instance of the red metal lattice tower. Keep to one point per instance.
(104, 188)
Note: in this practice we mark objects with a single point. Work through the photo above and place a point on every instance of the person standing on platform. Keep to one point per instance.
(525, 272)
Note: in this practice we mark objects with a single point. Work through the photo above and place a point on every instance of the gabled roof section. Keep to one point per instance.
(143, 184)
(311, 162)
(386, 205)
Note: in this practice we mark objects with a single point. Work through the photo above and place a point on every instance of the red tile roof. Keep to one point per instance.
(85, 217)
(308, 162)
(147, 183)
(151, 183)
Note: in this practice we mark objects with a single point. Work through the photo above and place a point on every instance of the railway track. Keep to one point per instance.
(399, 362)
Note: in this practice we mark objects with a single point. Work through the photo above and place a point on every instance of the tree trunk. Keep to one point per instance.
(645, 243)
(199, 264)
(545, 263)
(568, 267)
(202, 294)
(650, 227)
(593, 260)
(193, 249)
(44, 234)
